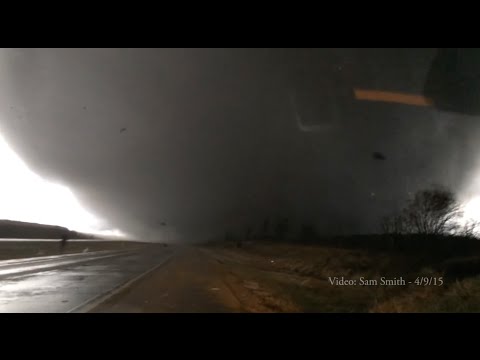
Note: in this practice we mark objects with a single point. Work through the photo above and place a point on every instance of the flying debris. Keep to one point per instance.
(163, 224)
(123, 129)
(301, 125)
(378, 156)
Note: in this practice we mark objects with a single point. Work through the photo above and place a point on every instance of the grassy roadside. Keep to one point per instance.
(294, 278)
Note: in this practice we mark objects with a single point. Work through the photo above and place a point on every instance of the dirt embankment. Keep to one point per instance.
(291, 278)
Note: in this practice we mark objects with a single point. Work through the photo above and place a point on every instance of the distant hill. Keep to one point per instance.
(25, 230)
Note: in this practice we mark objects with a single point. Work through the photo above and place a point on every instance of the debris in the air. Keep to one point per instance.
(252, 285)
(123, 129)
(304, 282)
(378, 156)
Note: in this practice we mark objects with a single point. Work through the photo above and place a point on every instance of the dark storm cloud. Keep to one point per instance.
(209, 139)
(198, 146)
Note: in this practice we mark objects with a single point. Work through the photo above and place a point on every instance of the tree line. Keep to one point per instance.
(431, 212)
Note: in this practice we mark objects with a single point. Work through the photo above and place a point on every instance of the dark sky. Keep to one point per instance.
(222, 138)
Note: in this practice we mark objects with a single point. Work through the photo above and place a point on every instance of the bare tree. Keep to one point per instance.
(282, 229)
(433, 211)
(470, 229)
(266, 228)
(248, 233)
(394, 225)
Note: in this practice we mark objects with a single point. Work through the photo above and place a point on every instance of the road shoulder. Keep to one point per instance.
(190, 282)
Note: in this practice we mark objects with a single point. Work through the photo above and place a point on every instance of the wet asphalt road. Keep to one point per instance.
(71, 283)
